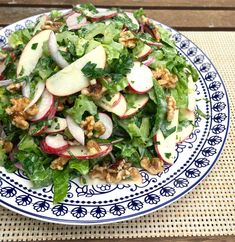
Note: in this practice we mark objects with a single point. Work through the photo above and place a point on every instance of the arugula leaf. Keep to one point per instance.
(82, 105)
(61, 184)
(82, 166)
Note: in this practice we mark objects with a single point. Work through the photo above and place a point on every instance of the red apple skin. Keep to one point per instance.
(100, 18)
(156, 149)
(145, 55)
(87, 157)
(137, 92)
(50, 150)
(42, 130)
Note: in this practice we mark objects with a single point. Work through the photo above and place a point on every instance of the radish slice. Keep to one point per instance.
(44, 106)
(52, 112)
(54, 144)
(37, 132)
(149, 61)
(72, 21)
(140, 78)
(80, 152)
(58, 125)
(38, 93)
(26, 90)
(145, 52)
(103, 15)
(108, 123)
(55, 54)
(76, 131)
(4, 83)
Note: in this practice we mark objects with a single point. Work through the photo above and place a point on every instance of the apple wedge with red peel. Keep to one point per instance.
(58, 125)
(72, 21)
(39, 89)
(186, 131)
(54, 144)
(54, 51)
(32, 53)
(191, 94)
(103, 15)
(145, 52)
(108, 124)
(45, 106)
(119, 109)
(37, 132)
(165, 146)
(140, 102)
(81, 152)
(140, 78)
(76, 131)
(71, 79)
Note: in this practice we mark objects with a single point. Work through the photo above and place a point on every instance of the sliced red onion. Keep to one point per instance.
(26, 90)
(72, 21)
(19, 166)
(141, 27)
(149, 61)
(152, 43)
(55, 54)
(4, 83)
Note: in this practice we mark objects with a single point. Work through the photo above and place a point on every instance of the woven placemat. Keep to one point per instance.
(208, 210)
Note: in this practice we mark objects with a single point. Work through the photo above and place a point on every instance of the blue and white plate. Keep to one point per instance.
(98, 204)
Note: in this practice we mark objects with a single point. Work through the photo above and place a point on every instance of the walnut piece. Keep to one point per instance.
(116, 172)
(171, 107)
(153, 166)
(58, 163)
(127, 39)
(95, 90)
(93, 147)
(165, 78)
(6, 145)
(89, 126)
(54, 26)
(19, 114)
(14, 87)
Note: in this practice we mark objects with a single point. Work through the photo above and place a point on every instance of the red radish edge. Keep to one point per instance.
(108, 123)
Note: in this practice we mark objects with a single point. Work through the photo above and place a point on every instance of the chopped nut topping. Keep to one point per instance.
(152, 26)
(89, 126)
(51, 25)
(6, 145)
(95, 91)
(153, 166)
(14, 87)
(19, 114)
(93, 147)
(116, 173)
(171, 107)
(165, 78)
(58, 163)
(127, 39)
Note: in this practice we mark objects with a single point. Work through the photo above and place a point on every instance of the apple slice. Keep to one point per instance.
(38, 93)
(72, 21)
(119, 109)
(145, 52)
(35, 132)
(140, 78)
(58, 125)
(55, 54)
(103, 15)
(191, 94)
(108, 123)
(76, 131)
(140, 102)
(165, 147)
(32, 53)
(80, 152)
(26, 89)
(71, 79)
(44, 106)
(54, 144)
(186, 131)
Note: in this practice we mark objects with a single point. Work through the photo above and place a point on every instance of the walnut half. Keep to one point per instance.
(153, 166)
(127, 39)
(59, 163)
(6, 145)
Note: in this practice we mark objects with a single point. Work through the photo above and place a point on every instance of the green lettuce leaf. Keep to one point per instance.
(3, 156)
(82, 166)
(83, 104)
(20, 37)
(113, 50)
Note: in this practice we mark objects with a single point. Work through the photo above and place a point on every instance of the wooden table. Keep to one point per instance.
(193, 15)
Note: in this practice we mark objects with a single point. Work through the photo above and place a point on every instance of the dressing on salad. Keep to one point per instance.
(92, 94)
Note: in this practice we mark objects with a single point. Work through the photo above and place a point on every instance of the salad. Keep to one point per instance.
(92, 95)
